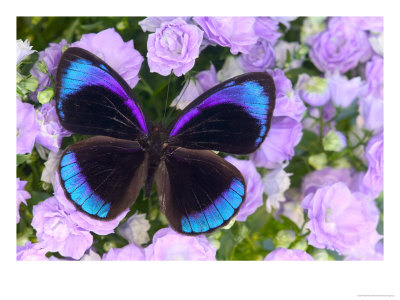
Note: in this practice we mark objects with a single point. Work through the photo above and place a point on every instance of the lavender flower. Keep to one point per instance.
(374, 157)
(90, 256)
(129, 252)
(152, 23)
(237, 33)
(288, 103)
(374, 76)
(22, 195)
(374, 24)
(231, 68)
(366, 252)
(31, 252)
(344, 91)
(174, 47)
(120, 55)
(284, 135)
(50, 56)
(207, 78)
(82, 220)
(313, 90)
(135, 229)
(341, 220)
(254, 187)
(371, 112)
(327, 176)
(27, 128)
(260, 57)
(169, 245)
(357, 185)
(23, 50)
(288, 254)
(376, 41)
(276, 184)
(340, 47)
(51, 167)
(267, 28)
(57, 231)
(51, 132)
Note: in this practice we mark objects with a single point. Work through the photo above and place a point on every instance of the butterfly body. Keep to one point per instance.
(198, 190)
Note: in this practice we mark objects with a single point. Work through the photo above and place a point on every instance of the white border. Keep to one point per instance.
(199, 280)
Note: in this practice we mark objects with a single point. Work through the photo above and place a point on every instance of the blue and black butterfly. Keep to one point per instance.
(198, 190)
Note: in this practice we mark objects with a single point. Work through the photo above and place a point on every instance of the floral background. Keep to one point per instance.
(314, 187)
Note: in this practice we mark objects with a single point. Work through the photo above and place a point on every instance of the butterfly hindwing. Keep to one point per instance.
(198, 190)
(103, 176)
(232, 117)
(93, 99)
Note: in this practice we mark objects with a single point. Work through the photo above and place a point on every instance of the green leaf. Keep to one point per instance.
(227, 245)
(21, 158)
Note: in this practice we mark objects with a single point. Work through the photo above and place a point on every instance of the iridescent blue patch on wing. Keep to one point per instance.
(79, 190)
(81, 73)
(222, 209)
(249, 95)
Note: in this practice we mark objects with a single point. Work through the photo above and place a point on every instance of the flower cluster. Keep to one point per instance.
(314, 186)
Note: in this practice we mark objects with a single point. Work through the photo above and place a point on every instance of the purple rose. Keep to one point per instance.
(152, 23)
(22, 195)
(313, 90)
(121, 56)
(129, 252)
(260, 57)
(288, 103)
(83, 220)
(57, 231)
(344, 91)
(371, 111)
(27, 127)
(374, 76)
(284, 135)
(51, 132)
(341, 220)
(174, 47)
(254, 187)
(374, 24)
(267, 28)
(327, 176)
(288, 254)
(374, 157)
(357, 185)
(340, 47)
(51, 56)
(169, 245)
(31, 252)
(367, 253)
(237, 33)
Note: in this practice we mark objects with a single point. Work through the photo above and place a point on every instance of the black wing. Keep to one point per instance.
(232, 117)
(103, 176)
(93, 99)
(198, 190)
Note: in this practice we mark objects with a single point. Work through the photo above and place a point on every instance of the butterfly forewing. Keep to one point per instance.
(233, 117)
(103, 176)
(93, 99)
(198, 190)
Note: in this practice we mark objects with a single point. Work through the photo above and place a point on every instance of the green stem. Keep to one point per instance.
(146, 86)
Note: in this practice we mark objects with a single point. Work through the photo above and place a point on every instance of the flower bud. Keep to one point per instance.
(318, 161)
(46, 95)
(284, 238)
(334, 141)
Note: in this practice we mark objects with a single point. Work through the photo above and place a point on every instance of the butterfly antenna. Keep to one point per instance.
(166, 99)
(177, 102)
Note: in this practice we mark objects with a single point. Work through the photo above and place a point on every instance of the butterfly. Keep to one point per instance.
(198, 190)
